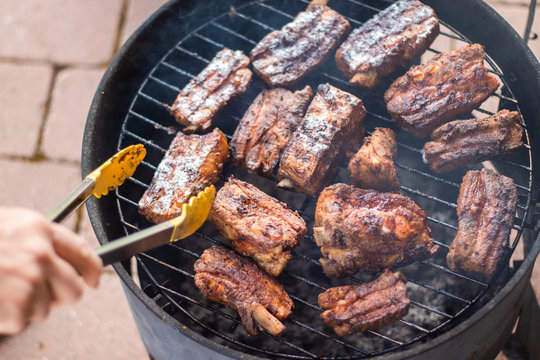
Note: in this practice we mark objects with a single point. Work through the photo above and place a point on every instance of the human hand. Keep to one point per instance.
(42, 265)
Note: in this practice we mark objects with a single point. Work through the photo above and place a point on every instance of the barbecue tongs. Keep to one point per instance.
(113, 173)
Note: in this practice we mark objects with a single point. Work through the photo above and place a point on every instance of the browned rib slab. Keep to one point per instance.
(257, 225)
(226, 76)
(372, 167)
(267, 127)
(192, 163)
(463, 142)
(365, 230)
(284, 57)
(486, 208)
(450, 84)
(231, 280)
(333, 122)
(401, 32)
(367, 306)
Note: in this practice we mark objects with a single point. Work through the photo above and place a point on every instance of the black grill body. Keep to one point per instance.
(156, 61)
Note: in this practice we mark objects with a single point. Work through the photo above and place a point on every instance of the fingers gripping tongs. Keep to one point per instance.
(113, 173)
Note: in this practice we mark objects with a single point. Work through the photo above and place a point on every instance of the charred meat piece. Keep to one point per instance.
(333, 122)
(450, 84)
(367, 306)
(257, 225)
(267, 127)
(284, 57)
(365, 230)
(231, 280)
(226, 76)
(192, 163)
(396, 35)
(486, 208)
(461, 142)
(373, 165)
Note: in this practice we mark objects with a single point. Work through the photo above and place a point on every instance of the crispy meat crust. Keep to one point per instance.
(365, 230)
(373, 165)
(333, 124)
(192, 163)
(450, 84)
(461, 142)
(257, 225)
(401, 32)
(267, 127)
(231, 280)
(226, 76)
(367, 306)
(284, 57)
(486, 208)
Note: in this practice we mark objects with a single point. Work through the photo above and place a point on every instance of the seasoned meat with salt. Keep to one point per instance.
(387, 41)
(229, 279)
(373, 165)
(257, 225)
(192, 163)
(486, 208)
(332, 125)
(284, 57)
(461, 142)
(267, 127)
(450, 84)
(366, 230)
(225, 77)
(367, 306)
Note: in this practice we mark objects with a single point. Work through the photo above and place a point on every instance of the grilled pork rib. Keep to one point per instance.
(332, 123)
(450, 84)
(284, 57)
(365, 230)
(267, 127)
(226, 76)
(461, 142)
(367, 306)
(373, 165)
(192, 163)
(231, 280)
(486, 208)
(257, 225)
(400, 33)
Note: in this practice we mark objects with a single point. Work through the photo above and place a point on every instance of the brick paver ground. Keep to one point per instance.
(52, 55)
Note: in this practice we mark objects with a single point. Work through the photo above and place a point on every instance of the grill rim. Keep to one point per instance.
(99, 220)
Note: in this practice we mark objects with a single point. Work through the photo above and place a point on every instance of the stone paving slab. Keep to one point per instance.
(71, 98)
(23, 93)
(137, 12)
(60, 31)
(100, 326)
(37, 185)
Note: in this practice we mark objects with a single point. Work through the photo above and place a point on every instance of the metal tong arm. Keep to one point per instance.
(72, 202)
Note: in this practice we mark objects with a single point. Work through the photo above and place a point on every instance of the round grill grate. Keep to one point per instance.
(439, 296)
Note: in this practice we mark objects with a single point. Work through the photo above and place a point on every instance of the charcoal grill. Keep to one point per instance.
(452, 315)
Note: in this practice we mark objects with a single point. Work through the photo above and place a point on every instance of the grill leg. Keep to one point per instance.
(529, 325)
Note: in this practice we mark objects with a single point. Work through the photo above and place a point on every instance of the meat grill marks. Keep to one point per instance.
(332, 123)
(226, 76)
(461, 142)
(231, 280)
(372, 167)
(400, 33)
(257, 225)
(267, 127)
(191, 163)
(450, 84)
(367, 306)
(284, 57)
(486, 207)
(365, 230)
